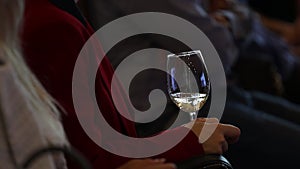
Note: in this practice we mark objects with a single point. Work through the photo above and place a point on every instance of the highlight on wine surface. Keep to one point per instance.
(188, 81)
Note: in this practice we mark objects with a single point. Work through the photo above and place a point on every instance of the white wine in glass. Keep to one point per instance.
(188, 82)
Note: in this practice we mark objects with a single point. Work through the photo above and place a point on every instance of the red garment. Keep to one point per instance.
(52, 40)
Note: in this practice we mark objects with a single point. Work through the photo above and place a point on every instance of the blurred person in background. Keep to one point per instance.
(279, 16)
(264, 75)
(276, 66)
(282, 18)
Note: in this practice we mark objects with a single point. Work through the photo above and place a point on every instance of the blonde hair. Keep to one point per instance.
(11, 16)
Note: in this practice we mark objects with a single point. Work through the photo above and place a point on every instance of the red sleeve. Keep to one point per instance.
(51, 45)
(187, 148)
(51, 51)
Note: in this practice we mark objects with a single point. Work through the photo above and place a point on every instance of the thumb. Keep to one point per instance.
(231, 133)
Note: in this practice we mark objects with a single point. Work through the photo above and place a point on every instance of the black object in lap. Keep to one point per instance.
(205, 162)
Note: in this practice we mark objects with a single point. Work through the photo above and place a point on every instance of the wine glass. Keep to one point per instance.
(187, 81)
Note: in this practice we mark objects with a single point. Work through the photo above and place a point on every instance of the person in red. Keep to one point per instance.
(54, 33)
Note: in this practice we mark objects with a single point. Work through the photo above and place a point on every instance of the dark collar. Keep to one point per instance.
(70, 7)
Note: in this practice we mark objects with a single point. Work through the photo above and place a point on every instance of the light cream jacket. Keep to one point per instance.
(23, 130)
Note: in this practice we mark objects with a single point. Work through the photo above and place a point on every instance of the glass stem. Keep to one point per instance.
(193, 116)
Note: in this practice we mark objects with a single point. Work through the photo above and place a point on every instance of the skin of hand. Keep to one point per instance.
(223, 134)
(148, 164)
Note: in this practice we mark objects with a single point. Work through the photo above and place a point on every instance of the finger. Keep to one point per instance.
(224, 146)
(159, 160)
(164, 166)
(231, 133)
(208, 120)
(147, 161)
